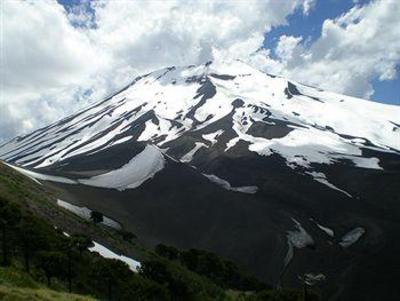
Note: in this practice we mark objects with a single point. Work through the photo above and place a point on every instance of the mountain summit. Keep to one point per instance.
(269, 113)
(276, 175)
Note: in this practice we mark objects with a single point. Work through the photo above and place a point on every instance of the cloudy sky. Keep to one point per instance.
(57, 56)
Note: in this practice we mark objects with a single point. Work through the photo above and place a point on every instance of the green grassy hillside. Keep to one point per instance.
(16, 285)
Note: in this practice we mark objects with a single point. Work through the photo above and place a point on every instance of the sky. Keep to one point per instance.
(58, 56)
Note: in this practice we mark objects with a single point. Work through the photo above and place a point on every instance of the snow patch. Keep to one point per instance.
(189, 155)
(212, 137)
(163, 129)
(138, 170)
(304, 146)
(225, 184)
(85, 213)
(321, 177)
(107, 253)
(298, 238)
(311, 279)
(289, 255)
(122, 140)
(351, 237)
(231, 143)
(327, 230)
(38, 176)
(358, 161)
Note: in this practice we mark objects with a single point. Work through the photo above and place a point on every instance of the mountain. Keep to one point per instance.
(282, 178)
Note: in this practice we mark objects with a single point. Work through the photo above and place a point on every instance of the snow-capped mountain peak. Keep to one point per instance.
(314, 126)
(227, 158)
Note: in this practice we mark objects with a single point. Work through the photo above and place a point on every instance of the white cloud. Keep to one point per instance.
(308, 5)
(40, 48)
(287, 46)
(42, 57)
(357, 47)
(147, 34)
(47, 63)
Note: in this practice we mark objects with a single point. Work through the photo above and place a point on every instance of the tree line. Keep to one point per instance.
(169, 274)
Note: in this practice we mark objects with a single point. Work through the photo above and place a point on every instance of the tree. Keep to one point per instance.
(109, 273)
(157, 271)
(169, 252)
(154, 270)
(67, 245)
(54, 264)
(81, 242)
(138, 288)
(223, 272)
(190, 259)
(96, 217)
(10, 215)
(126, 235)
(33, 237)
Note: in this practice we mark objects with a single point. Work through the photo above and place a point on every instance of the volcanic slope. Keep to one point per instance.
(276, 175)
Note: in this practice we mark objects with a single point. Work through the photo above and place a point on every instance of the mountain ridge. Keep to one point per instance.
(209, 77)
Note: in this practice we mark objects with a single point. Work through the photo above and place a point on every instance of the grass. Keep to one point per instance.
(11, 276)
(16, 285)
(40, 201)
(42, 294)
